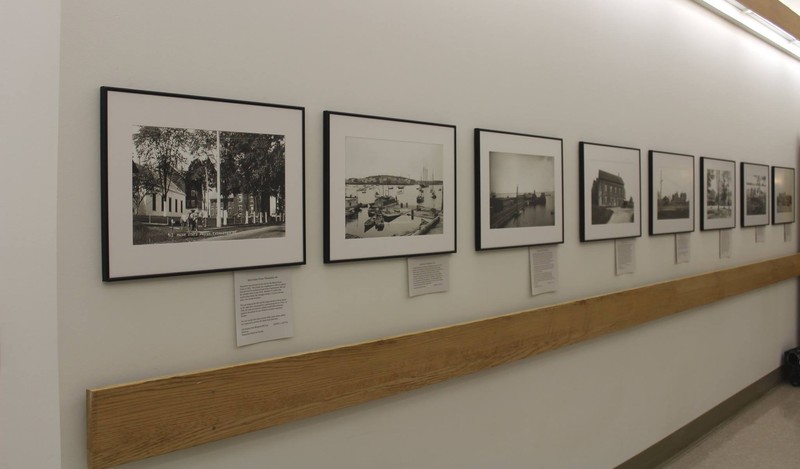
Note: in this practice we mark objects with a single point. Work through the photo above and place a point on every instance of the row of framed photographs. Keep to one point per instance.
(519, 180)
(195, 184)
(610, 193)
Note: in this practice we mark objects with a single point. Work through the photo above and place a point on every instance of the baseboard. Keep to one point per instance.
(694, 430)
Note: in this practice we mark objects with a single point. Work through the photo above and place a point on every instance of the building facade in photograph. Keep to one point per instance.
(610, 190)
(172, 205)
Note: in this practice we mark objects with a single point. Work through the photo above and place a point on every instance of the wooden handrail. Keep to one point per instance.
(777, 13)
(138, 420)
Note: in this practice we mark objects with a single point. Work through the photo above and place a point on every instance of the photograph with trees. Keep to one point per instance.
(717, 195)
(783, 193)
(199, 171)
(755, 194)
(197, 185)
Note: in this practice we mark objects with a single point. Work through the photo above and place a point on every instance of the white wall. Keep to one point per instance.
(29, 415)
(664, 74)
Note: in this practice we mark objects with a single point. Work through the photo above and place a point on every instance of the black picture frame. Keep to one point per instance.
(519, 195)
(717, 194)
(162, 214)
(389, 186)
(755, 194)
(783, 195)
(610, 182)
(672, 194)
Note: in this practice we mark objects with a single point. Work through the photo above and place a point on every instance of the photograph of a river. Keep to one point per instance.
(401, 201)
(524, 211)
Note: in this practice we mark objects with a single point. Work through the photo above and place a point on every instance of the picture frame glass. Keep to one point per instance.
(671, 193)
(389, 187)
(194, 184)
(520, 187)
(755, 194)
(783, 193)
(610, 204)
(718, 194)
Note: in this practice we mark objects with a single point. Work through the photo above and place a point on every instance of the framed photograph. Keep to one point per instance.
(717, 194)
(755, 194)
(783, 206)
(390, 187)
(193, 184)
(519, 198)
(671, 193)
(610, 192)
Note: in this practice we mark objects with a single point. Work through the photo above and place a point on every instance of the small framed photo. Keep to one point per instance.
(755, 194)
(610, 192)
(390, 187)
(717, 195)
(193, 184)
(783, 206)
(519, 182)
(671, 193)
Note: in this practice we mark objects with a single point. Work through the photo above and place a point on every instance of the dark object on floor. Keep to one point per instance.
(791, 366)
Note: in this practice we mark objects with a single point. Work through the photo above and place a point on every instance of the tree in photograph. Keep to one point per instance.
(201, 177)
(145, 183)
(230, 181)
(260, 164)
(202, 171)
(711, 193)
(725, 194)
(277, 171)
(164, 149)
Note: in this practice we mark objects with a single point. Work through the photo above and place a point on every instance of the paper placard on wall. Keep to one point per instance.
(682, 250)
(625, 256)
(263, 306)
(761, 234)
(544, 269)
(725, 244)
(428, 274)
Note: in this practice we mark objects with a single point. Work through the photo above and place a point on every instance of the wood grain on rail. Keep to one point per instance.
(133, 421)
(776, 13)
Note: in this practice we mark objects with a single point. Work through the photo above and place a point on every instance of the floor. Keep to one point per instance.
(765, 434)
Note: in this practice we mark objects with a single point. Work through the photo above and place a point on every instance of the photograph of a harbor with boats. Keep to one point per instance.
(391, 188)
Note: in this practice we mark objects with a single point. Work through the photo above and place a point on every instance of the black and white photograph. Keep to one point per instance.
(610, 192)
(783, 193)
(396, 194)
(671, 192)
(519, 189)
(717, 194)
(192, 185)
(389, 187)
(755, 194)
(208, 184)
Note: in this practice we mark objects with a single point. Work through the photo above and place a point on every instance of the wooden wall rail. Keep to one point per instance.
(134, 421)
(777, 13)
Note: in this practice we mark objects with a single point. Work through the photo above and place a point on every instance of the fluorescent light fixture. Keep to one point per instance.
(756, 24)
